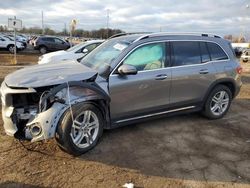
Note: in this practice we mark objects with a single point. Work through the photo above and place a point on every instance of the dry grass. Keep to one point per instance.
(22, 59)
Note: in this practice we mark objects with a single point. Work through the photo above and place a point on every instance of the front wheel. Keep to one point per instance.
(82, 134)
(218, 102)
(11, 49)
(43, 50)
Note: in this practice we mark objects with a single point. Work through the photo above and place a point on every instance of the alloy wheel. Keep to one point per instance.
(84, 129)
(219, 103)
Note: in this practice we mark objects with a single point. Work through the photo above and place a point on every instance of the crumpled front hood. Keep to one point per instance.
(49, 74)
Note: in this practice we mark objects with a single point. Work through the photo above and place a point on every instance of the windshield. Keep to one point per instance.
(104, 54)
(76, 47)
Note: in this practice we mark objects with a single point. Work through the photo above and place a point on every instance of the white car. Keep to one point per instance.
(9, 44)
(245, 55)
(76, 52)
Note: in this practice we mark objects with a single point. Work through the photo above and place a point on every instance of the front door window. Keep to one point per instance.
(148, 57)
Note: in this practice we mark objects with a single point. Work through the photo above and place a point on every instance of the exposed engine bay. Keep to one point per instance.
(33, 113)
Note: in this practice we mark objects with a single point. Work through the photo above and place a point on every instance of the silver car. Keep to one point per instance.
(126, 79)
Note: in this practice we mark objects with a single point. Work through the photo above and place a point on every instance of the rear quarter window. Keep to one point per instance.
(216, 52)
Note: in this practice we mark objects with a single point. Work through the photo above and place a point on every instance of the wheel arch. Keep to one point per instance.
(10, 45)
(100, 100)
(42, 45)
(228, 82)
(103, 106)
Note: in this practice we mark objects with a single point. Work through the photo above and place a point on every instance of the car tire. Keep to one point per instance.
(79, 137)
(43, 49)
(218, 102)
(11, 48)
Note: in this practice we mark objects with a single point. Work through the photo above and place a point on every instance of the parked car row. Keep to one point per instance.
(20, 38)
(76, 52)
(8, 43)
(243, 53)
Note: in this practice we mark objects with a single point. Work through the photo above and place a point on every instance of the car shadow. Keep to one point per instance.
(187, 147)
(245, 79)
(184, 147)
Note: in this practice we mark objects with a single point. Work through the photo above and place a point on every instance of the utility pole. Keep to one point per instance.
(15, 43)
(65, 29)
(107, 23)
(42, 24)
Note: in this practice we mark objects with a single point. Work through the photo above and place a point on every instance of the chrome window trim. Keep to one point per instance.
(175, 67)
(160, 41)
(155, 114)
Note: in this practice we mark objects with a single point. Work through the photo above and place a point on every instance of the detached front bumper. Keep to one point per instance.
(7, 108)
(25, 122)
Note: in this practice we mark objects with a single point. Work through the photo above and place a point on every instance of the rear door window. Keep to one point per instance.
(186, 53)
(216, 52)
(48, 39)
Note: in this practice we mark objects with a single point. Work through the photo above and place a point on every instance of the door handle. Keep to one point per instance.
(204, 71)
(161, 77)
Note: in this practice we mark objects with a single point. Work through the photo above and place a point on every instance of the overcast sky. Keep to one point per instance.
(214, 16)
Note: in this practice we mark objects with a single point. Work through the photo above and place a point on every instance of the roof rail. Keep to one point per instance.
(123, 34)
(117, 35)
(168, 33)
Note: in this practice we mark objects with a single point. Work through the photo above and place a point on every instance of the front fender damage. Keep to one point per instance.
(51, 107)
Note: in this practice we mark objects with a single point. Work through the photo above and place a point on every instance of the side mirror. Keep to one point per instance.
(126, 69)
(85, 50)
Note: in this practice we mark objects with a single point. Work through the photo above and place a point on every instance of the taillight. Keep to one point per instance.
(239, 69)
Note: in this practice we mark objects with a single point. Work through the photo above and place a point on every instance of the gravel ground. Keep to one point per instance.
(180, 151)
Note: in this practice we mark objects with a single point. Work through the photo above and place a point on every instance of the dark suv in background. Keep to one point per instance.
(47, 43)
(124, 80)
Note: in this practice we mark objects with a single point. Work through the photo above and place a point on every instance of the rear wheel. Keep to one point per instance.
(218, 102)
(82, 134)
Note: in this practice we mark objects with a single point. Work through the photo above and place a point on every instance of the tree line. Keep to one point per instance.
(235, 39)
(99, 33)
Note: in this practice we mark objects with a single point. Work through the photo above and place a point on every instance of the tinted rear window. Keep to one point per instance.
(216, 52)
(48, 39)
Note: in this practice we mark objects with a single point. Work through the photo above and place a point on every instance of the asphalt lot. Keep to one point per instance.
(180, 151)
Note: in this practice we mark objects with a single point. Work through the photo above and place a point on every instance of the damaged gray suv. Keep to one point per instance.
(129, 78)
